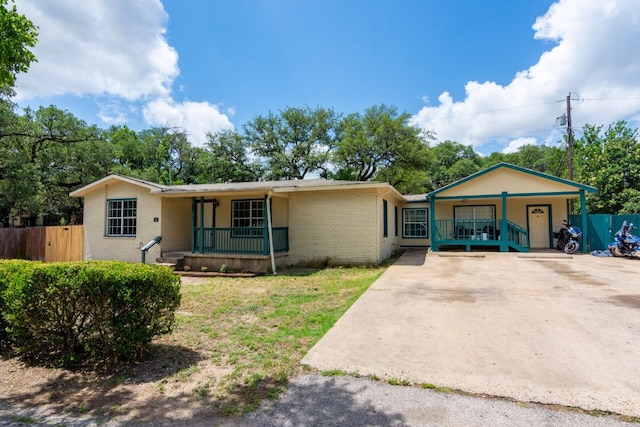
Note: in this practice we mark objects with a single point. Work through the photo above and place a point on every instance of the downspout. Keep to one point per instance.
(270, 230)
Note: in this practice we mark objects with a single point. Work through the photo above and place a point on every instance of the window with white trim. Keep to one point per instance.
(122, 217)
(245, 214)
(414, 223)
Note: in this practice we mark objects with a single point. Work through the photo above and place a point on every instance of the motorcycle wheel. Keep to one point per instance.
(615, 251)
(571, 247)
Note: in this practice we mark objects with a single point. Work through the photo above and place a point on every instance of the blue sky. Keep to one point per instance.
(490, 74)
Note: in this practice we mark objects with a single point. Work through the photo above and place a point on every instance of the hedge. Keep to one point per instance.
(90, 312)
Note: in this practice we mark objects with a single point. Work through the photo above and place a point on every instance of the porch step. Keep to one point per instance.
(174, 261)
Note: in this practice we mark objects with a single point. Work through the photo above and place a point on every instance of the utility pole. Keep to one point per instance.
(569, 138)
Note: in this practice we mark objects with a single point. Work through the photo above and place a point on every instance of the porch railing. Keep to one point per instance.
(239, 240)
(480, 232)
(468, 229)
(518, 235)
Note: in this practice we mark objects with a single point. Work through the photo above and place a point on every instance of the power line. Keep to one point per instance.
(492, 111)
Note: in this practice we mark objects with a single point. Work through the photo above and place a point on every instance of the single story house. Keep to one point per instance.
(260, 226)
(248, 226)
(505, 206)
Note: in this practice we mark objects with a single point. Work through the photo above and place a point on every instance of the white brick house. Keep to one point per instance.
(308, 222)
(259, 226)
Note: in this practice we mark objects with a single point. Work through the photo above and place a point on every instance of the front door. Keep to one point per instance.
(538, 226)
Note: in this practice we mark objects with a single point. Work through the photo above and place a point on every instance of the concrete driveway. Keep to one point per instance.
(544, 327)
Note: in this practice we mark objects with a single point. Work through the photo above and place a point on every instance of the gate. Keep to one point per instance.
(602, 227)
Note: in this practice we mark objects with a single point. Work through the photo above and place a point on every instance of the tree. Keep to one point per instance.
(381, 145)
(226, 160)
(453, 161)
(609, 161)
(161, 154)
(44, 154)
(541, 158)
(17, 36)
(293, 143)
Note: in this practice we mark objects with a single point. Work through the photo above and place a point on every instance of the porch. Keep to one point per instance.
(238, 249)
(239, 240)
(480, 232)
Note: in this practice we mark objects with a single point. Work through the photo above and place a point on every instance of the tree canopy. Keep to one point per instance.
(17, 36)
(608, 160)
(380, 145)
(47, 152)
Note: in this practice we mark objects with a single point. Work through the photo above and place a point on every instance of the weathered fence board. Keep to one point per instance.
(63, 243)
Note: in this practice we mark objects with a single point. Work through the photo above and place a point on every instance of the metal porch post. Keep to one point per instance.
(583, 217)
(435, 244)
(504, 244)
(265, 226)
(194, 205)
(201, 230)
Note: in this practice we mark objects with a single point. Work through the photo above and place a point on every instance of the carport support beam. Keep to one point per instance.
(583, 217)
(504, 244)
(434, 237)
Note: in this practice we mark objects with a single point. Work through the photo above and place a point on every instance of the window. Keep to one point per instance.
(414, 223)
(385, 220)
(395, 220)
(121, 217)
(474, 221)
(245, 214)
(475, 212)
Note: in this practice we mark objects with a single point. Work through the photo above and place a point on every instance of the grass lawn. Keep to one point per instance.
(236, 342)
(255, 331)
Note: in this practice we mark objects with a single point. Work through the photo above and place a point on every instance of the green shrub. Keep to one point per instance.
(9, 270)
(89, 312)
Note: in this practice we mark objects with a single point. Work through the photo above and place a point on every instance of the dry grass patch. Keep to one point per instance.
(237, 342)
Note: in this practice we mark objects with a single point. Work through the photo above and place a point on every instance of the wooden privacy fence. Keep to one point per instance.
(62, 243)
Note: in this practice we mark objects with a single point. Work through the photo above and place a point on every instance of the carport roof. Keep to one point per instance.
(576, 185)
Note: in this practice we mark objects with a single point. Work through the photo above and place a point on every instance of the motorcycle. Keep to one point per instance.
(625, 244)
(568, 238)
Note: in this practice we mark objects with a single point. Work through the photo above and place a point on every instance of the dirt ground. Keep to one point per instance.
(150, 392)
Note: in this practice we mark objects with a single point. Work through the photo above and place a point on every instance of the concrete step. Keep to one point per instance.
(177, 262)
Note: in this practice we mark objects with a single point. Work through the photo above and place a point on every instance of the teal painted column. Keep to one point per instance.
(265, 227)
(504, 243)
(194, 210)
(432, 219)
(583, 216)
(201, 229)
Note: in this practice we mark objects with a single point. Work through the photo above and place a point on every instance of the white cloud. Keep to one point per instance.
(197, 118)
(596, 56)
(105, 47)
(515, 144)
(115, 52)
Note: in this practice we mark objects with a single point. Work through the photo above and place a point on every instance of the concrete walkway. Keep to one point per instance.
(545, 328)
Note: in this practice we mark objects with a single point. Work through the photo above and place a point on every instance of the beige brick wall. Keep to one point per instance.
(98, 246)
(338, 227)
(389, 244)
(175, 223)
